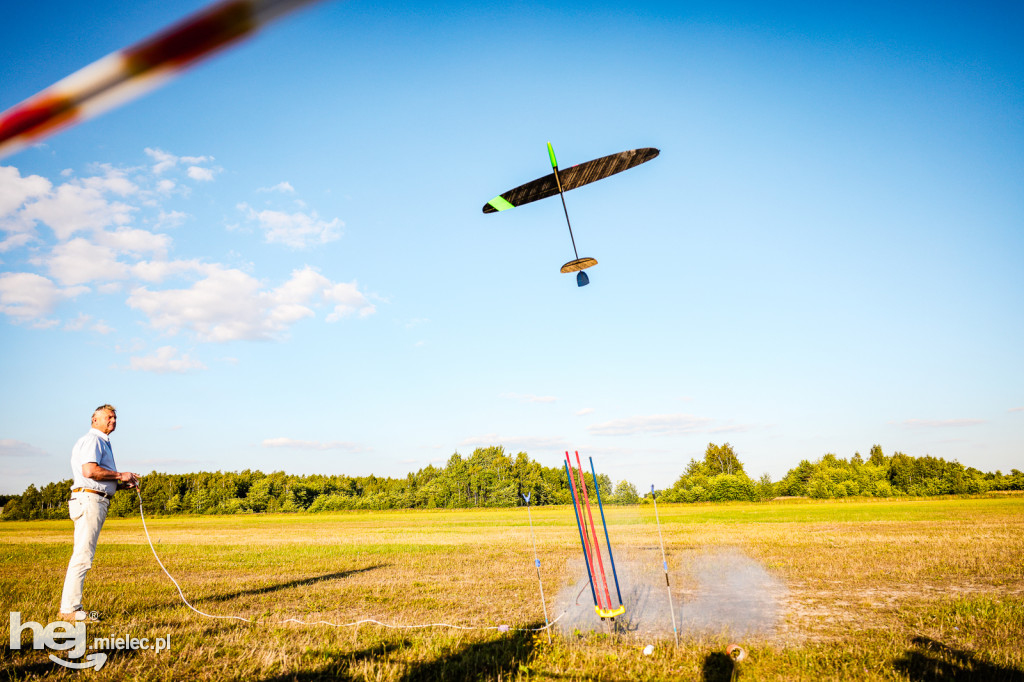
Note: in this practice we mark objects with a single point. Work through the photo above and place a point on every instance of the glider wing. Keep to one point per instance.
(573, 177)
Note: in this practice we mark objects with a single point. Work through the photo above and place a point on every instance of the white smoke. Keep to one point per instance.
(720, 592)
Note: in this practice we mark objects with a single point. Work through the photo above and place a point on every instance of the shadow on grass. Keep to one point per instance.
(717, 667)
(27, 669)
(36, 664)
(340, 668)
(304, 582)
(266, 589)
(931, 661)
(497, 659)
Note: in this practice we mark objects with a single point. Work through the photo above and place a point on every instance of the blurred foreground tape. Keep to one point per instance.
(124, 75)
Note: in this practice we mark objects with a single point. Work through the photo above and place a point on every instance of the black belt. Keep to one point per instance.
(90, 490)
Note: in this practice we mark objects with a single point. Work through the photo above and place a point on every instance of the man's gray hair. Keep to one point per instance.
(101, 408)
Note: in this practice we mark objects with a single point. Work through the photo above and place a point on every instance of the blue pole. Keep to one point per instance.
(586, 560)
(607, 540)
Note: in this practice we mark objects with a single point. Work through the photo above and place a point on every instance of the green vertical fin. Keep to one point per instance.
(551, 153)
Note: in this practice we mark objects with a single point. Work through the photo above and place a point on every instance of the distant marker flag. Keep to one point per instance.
(126, 74)
(560, 182)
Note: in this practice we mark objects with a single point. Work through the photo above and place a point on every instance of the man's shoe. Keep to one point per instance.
(80, 617)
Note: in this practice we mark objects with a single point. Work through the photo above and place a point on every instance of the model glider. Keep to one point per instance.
(560, 182)
(126, 74)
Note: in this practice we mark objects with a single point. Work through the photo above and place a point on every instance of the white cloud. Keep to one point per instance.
(164, 160)
(84, 321)
(16, 448)
(229, 305)
(667, 424)
(15, 242)
(347, 300)
(72, 208)
(223, 306)
(27, 297)
(128, 240)
(297, 230)
(283, 187)
(79, 261)
(734, 428)
(165, 360)
(584, 411)
(113, 180)
(134, 346)
(940, 423)
(97, 258)
(14, 192)
(95, 246)
(79, 323)
(200, 174)
(159, 270)
(170, 219)
(312, 444)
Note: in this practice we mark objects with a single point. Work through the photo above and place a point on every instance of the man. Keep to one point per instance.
(96, 479)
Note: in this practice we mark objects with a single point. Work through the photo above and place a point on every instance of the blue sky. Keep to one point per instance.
(278, 260)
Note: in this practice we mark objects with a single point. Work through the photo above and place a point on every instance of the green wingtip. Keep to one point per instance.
(500, 203)
(551, 153)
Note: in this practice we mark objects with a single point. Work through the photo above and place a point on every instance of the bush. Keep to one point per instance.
(332, 502)
(731, 487)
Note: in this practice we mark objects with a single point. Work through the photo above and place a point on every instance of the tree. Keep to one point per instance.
(721, 459)
(731, 487)
(877, 457)
(764, 488)
(625, 493)
(719, 476)
(794, 483)
(901, 472)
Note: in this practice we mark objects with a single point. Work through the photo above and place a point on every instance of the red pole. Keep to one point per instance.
(593, 529)
(587, 550)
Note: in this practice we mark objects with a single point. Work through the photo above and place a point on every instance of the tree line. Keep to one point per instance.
(720, 476)
(487, 478)
(492, 478)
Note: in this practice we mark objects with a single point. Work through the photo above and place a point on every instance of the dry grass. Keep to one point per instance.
(870, 590)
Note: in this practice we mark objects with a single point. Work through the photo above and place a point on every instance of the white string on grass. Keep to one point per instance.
(502, 628)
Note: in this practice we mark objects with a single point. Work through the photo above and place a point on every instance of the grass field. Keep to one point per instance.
(853, 590)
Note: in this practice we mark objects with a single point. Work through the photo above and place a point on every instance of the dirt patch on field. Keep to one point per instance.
(820, 615)
(725, 593)
(715, 593)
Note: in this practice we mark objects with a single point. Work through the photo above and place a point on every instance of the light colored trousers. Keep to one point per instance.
(88, 511)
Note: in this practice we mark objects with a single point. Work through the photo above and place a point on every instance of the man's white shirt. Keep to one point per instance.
(93, 447)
